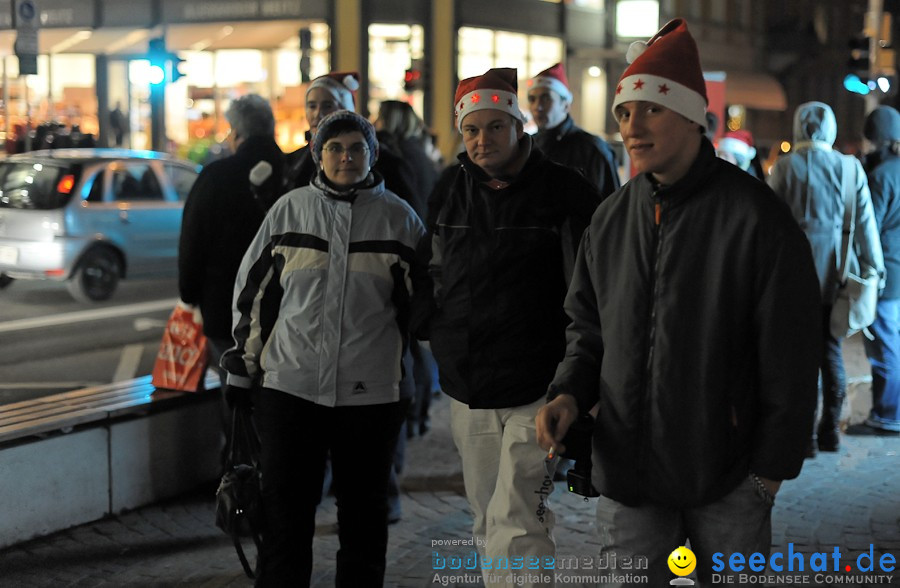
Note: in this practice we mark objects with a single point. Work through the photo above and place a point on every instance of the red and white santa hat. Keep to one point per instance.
(341, 84)
(666, 70)
(739, 143)
(553, 78)
(495, 89)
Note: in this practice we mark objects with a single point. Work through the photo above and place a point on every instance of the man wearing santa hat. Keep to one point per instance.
(329, 93)
(549, 100)
(695, 326)
(503, 232)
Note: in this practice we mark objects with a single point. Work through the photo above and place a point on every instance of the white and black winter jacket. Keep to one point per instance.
(321, 301)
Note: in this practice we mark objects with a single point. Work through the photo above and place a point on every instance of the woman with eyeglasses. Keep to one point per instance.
(321, 305)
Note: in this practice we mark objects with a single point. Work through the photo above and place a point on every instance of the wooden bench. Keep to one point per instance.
(64, 411)
(74, 457)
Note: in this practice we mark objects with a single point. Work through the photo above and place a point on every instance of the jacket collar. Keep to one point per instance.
(704, 166)
(557, 132)
(527, 152)
(369, 188)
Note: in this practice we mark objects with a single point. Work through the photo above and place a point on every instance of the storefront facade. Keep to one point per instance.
(93, 58)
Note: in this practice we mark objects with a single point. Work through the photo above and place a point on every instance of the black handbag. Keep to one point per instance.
(239, 498)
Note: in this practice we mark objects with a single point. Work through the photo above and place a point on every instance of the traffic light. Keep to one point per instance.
(157, 55)
(164, 66)
(177, 64)
(412, 80)
(860, 56)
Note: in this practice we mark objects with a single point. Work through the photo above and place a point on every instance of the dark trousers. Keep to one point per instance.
(296, 436)
(834, 377)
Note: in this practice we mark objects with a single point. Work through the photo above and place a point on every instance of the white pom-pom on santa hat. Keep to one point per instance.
(635, 50)
(666, 70)
(341, 85)
(350, 82)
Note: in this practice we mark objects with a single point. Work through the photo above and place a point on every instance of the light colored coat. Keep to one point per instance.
(810, 180)
(322, 296)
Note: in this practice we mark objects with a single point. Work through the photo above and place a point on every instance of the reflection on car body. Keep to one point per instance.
(91, 216)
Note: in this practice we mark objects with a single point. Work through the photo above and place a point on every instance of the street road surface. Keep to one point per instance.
(50, 343)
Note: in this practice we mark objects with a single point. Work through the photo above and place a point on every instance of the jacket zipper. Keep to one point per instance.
(651, 338)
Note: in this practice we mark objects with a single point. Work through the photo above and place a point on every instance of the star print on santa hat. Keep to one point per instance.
(497, 87)
(670, 62)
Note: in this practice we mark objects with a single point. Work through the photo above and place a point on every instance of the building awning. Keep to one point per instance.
(754, 90)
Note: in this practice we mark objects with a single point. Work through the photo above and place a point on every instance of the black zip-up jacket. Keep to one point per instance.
(220, 219)
(501, 261)
(696, 324)
(571, 145)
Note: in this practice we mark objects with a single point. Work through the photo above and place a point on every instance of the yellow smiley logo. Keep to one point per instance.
(682, 561)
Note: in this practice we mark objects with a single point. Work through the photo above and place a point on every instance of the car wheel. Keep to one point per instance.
(5, 281)
(96, 277)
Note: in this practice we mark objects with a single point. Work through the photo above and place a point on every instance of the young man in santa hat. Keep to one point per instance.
(326, 94)
(549, 100)
(503, 232)
(695, 326)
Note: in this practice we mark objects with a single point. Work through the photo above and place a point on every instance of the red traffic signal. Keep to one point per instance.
(412, 80)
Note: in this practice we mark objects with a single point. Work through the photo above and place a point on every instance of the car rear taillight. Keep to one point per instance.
(66, 183)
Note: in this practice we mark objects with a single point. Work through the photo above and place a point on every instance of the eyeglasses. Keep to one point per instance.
(355, 150)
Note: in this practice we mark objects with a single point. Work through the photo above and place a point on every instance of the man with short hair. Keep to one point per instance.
(502, 237)
(550, 100)
(695, 328)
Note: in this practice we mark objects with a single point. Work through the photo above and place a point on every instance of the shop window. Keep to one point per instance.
(394, 49)
(482, 49)
(637, 18)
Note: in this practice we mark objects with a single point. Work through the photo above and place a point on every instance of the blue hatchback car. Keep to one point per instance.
(91, 216)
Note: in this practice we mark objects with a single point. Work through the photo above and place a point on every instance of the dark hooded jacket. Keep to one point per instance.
(501, 259)
(699, 336)
(883, 130)
(589, 154)
(220, 219)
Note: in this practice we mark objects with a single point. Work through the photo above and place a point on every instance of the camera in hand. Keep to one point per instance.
(578, 443)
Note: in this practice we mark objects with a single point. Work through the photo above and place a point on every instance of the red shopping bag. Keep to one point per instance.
(181, 361)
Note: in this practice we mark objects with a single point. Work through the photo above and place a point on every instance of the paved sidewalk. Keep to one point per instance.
(849, 500)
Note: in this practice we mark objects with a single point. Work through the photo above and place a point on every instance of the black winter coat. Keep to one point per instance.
(589, 154)
(220, 219)
(501, 260)
(699, 336)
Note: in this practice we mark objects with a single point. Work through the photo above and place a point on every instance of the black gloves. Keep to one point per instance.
(237, 397)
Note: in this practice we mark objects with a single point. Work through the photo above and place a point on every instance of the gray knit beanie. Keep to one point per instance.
(340, 122)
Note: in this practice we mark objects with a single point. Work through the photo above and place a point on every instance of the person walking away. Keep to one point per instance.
(882, 129)
(695, 325)
(220, 219)
(502, 240)
(321, 305)
(550, 102)
(810, 180)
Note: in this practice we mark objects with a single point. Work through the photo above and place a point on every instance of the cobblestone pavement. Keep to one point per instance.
(850, 499)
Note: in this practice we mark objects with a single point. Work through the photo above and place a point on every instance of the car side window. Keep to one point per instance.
(135, 182)
(96, 193)
(182, 179)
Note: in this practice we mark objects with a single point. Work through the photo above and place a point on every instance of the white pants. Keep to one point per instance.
(507, 485)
